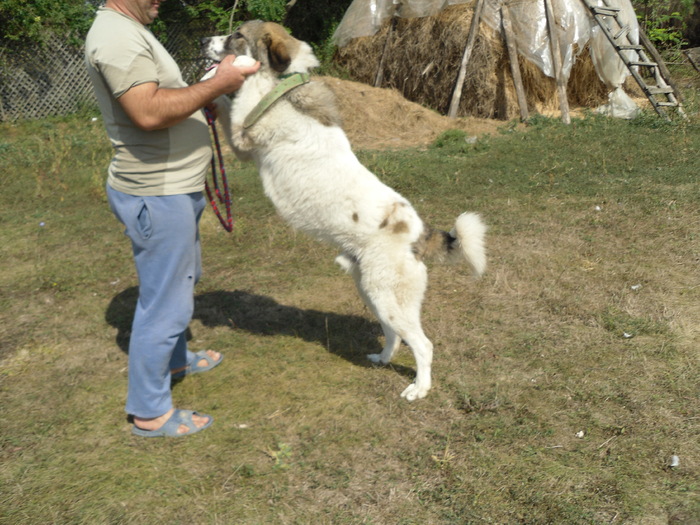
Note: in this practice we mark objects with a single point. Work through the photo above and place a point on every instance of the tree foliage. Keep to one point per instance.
(23, 21)
(311, 20)
(221, 15)
(665, 21)
(32, 21)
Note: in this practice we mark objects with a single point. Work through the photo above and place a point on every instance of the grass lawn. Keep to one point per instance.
(564, 380)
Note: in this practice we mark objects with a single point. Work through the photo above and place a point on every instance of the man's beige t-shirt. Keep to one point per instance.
(122, 53)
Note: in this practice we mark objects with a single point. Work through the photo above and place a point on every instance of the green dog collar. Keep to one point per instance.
(288, 83)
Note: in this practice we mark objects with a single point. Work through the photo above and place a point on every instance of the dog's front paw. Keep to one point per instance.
(414, 392)
(241, 139)
(241, 144)
(210, 73)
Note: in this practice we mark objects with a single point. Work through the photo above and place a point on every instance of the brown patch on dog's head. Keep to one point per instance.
(266, 42)
(281, 46)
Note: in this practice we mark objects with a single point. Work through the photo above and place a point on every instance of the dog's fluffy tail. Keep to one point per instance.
(465, 242)
(469, 232)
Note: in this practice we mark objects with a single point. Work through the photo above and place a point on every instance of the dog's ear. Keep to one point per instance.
(277, 41)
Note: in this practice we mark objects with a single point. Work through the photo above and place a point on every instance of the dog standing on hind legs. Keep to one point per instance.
(290, 127)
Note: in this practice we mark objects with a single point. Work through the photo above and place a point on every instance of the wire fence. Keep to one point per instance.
(38, 81)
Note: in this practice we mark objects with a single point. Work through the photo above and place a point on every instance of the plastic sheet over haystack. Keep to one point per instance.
(366, 17)
(576, 28)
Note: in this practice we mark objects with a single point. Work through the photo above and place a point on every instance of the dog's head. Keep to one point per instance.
(267, 42)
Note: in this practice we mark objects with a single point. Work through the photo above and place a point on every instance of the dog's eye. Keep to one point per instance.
(232, 38)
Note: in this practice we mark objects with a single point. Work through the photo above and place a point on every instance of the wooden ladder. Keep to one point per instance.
(663, 93)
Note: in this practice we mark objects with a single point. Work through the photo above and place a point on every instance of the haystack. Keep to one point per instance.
(420, 57)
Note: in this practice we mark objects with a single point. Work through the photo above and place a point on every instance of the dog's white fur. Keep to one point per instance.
(318, 186)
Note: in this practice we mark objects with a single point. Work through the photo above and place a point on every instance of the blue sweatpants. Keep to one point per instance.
(164, 233)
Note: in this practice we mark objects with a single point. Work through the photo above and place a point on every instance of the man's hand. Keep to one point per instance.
(232, 76)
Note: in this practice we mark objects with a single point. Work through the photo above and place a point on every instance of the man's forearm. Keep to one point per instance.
(151, 107)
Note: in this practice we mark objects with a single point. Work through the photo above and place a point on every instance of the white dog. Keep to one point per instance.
(318, 186)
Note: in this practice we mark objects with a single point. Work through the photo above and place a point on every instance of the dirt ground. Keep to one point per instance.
(379, 118)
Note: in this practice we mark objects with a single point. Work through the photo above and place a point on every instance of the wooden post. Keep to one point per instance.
(473, 31)
(689, 54)
(380, 70)
(556, 62)
(514, 63)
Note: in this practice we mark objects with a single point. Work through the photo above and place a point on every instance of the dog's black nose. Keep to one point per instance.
(204, 40)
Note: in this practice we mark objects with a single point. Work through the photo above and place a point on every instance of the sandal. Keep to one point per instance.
(171, 426)
(194, 367)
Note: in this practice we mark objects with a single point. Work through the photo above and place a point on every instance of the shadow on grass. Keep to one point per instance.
(349, 336)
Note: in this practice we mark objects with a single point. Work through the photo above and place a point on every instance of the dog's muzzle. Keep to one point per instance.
(213, 47)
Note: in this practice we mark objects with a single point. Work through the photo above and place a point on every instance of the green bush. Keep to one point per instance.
(664, 21)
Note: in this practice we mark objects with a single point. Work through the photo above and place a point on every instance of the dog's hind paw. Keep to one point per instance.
(376, 359)
(346, 262)
(413, 392)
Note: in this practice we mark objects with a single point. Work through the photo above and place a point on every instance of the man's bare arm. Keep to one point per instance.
(151, 107)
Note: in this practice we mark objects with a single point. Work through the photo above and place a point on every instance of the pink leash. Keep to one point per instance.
(224, 199)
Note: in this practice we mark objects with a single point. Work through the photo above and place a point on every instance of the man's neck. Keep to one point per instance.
(132, 10)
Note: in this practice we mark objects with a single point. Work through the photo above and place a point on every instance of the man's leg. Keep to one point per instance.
(164, 236)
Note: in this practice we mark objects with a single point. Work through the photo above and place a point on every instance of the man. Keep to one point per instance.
(154, 186)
